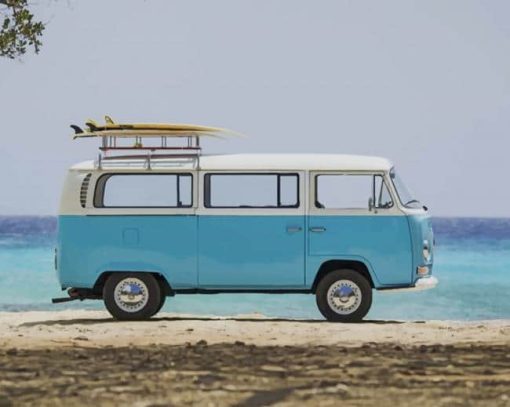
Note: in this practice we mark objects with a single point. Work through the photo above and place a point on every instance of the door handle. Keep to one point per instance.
(317, 229)
(294, 229)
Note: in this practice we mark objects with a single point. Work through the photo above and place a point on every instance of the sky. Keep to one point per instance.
(423, 83)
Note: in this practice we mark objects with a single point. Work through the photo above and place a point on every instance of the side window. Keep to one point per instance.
(351, 191)
(144, 191)
(383, 198)
(251, 190)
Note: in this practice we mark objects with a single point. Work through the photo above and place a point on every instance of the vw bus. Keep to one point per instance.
(134, 229)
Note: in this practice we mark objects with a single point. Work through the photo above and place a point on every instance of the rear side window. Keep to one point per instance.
(251, 190)
(144, 191)
(337, 191)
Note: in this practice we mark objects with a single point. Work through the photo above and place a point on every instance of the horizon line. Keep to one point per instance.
(432, 216)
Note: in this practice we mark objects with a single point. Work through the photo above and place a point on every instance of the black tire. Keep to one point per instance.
(161, 304)
(365, 291)
(153, 297)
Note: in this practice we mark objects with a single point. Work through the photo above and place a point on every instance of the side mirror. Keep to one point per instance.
(370, 204)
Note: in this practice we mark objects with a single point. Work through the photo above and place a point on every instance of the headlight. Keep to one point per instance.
(426, 250)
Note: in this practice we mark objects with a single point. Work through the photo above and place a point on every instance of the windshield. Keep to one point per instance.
(406, 197)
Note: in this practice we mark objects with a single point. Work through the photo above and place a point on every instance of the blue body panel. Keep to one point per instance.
(251, 251)
(421, 229)
(382, 243)
(91, 245)
(238, 252)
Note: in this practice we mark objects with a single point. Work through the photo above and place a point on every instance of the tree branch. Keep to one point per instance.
(18, 30)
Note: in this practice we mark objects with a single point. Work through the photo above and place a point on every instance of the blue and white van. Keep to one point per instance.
(336, 226)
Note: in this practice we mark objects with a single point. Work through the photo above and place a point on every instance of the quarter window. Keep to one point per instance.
(144, 191)
(251, 191)
(351, 191)
(382, 197)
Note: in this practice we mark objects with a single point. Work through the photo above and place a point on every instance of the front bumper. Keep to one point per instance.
(425, 283)
(422, 284)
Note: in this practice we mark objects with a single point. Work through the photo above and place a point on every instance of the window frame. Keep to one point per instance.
(313, 208)
(206, 201)
(383, 178)
(100, 186)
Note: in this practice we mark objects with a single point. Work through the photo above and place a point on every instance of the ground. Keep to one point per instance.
(55, 359)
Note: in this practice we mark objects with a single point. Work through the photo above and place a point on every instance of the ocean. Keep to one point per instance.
(472, 259)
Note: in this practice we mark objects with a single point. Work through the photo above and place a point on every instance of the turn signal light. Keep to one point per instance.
(422, 270)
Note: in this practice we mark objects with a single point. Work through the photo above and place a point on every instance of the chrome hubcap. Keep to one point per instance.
(344, 297)
(131, 294)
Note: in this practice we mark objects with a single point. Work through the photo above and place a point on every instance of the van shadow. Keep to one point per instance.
(91, 321)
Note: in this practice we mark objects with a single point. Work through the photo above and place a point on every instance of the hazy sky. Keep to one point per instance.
(424, 83)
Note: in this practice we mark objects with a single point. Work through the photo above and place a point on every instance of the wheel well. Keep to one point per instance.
(163, 283)
(332, 265)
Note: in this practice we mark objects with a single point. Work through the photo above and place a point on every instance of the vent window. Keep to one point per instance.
(84, 189)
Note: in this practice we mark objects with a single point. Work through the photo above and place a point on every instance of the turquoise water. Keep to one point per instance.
(472, 258)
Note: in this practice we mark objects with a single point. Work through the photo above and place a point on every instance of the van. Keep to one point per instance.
(135, 229)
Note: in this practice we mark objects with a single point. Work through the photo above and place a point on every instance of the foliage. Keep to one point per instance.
(18, 30)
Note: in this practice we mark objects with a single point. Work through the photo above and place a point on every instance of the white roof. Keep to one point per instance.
(260, 162)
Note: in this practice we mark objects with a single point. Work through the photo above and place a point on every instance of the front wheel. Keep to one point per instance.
(161, 304)
(344, 296)
(132, 296)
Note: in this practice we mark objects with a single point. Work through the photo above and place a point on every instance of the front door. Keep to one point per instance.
(343, 225)
(252, 231)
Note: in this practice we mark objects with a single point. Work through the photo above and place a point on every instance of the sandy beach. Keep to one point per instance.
(31, 330)
(79, 357)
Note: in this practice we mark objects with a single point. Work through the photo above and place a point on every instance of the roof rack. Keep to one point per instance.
(124, 144)
(145, 155)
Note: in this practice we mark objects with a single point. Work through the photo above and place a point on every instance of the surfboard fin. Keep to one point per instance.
(108, 120)
(77, 129)
(92, 125)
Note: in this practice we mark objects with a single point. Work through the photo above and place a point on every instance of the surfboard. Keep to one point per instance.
(111, 125)
(151, 133)
(110, 128)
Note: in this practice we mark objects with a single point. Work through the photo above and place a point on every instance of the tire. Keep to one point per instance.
(161, 304)
(355, 300)
(123, 305)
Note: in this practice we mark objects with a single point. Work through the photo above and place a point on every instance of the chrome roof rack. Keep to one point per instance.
(145, 156)
(143, 145)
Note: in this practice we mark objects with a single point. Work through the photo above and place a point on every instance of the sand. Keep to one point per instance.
(84, 357)
(96, 328)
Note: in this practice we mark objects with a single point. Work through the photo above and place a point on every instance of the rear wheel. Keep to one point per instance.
(132, 296)
(344, 296)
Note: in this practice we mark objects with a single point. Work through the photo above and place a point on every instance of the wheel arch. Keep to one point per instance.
(160, 278)
(336, 264)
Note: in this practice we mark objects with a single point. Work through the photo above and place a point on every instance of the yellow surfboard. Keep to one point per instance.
(110, 128)
(178, 132)
(111, 125)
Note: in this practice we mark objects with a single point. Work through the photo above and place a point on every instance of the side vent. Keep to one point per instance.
(84, 189)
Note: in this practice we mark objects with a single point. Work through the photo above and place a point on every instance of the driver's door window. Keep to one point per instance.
(351, 192)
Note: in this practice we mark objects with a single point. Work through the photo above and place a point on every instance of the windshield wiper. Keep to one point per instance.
(411, 201)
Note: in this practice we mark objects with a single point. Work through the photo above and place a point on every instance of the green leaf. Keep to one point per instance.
(19, 30)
